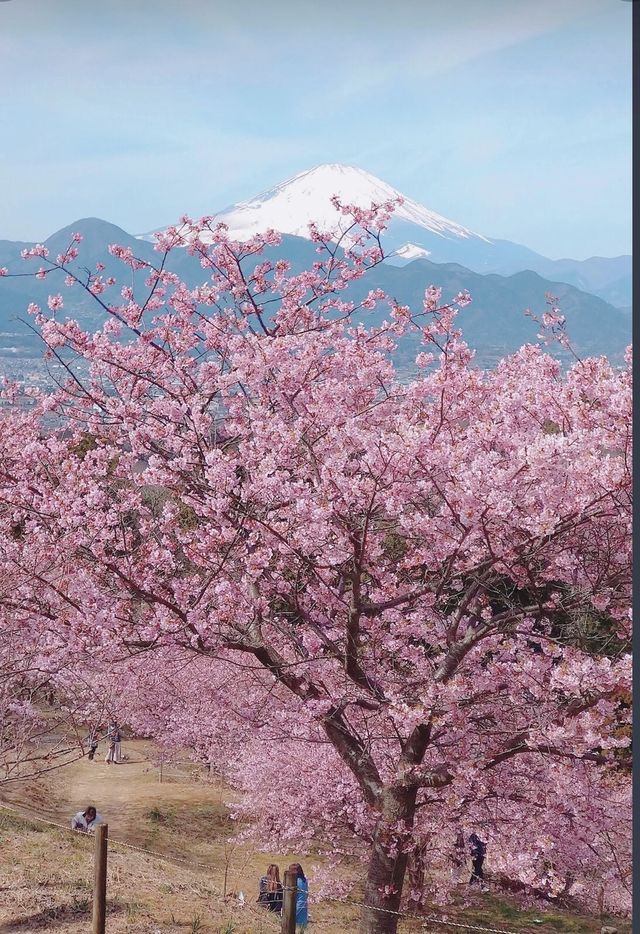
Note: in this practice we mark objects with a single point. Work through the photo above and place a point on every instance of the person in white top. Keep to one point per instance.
(85, 821)
(114, 751)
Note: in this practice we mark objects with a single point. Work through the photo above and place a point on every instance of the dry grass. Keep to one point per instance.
(46, 874)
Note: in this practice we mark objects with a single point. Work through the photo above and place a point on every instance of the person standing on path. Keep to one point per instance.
(478, 853)
(302, 897)
(114, 749)
(93, 744)
(117, 737)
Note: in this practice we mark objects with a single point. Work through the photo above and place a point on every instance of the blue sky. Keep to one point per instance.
(512, 117)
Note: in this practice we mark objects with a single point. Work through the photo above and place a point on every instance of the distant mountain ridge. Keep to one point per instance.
(494, 324)
(414, 231)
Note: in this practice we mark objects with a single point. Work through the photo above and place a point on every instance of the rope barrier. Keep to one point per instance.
(431, 920)
(473, 927)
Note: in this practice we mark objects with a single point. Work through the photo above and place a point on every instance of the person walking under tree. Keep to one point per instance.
(111, 750)
(478, 853)
(302, 897)
(113, 744)
(271, 889)
(117, 738)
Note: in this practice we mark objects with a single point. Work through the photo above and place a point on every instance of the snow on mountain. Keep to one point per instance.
(411, 251)
(290, 206)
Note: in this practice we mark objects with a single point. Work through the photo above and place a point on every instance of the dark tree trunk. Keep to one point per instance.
(388, 863)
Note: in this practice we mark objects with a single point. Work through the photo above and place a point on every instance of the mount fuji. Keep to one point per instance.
(423, 248)
(307, 196)
(414, 232)
(290, 206)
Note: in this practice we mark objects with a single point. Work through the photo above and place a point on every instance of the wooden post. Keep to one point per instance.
(289, 902)
(161, 761)
(100, 880)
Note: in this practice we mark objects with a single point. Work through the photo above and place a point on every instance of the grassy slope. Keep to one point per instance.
(46, 873)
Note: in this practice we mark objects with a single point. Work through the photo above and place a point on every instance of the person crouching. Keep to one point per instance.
(86, 821)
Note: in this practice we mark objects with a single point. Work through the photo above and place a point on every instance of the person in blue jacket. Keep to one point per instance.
(302, 897)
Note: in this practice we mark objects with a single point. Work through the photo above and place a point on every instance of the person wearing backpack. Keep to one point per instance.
(478, 853)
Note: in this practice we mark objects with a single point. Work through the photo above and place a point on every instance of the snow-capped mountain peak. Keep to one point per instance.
(414, 231)
(290, 206)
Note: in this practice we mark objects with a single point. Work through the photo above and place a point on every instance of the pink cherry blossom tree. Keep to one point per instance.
(49, 696)
(352, 594)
